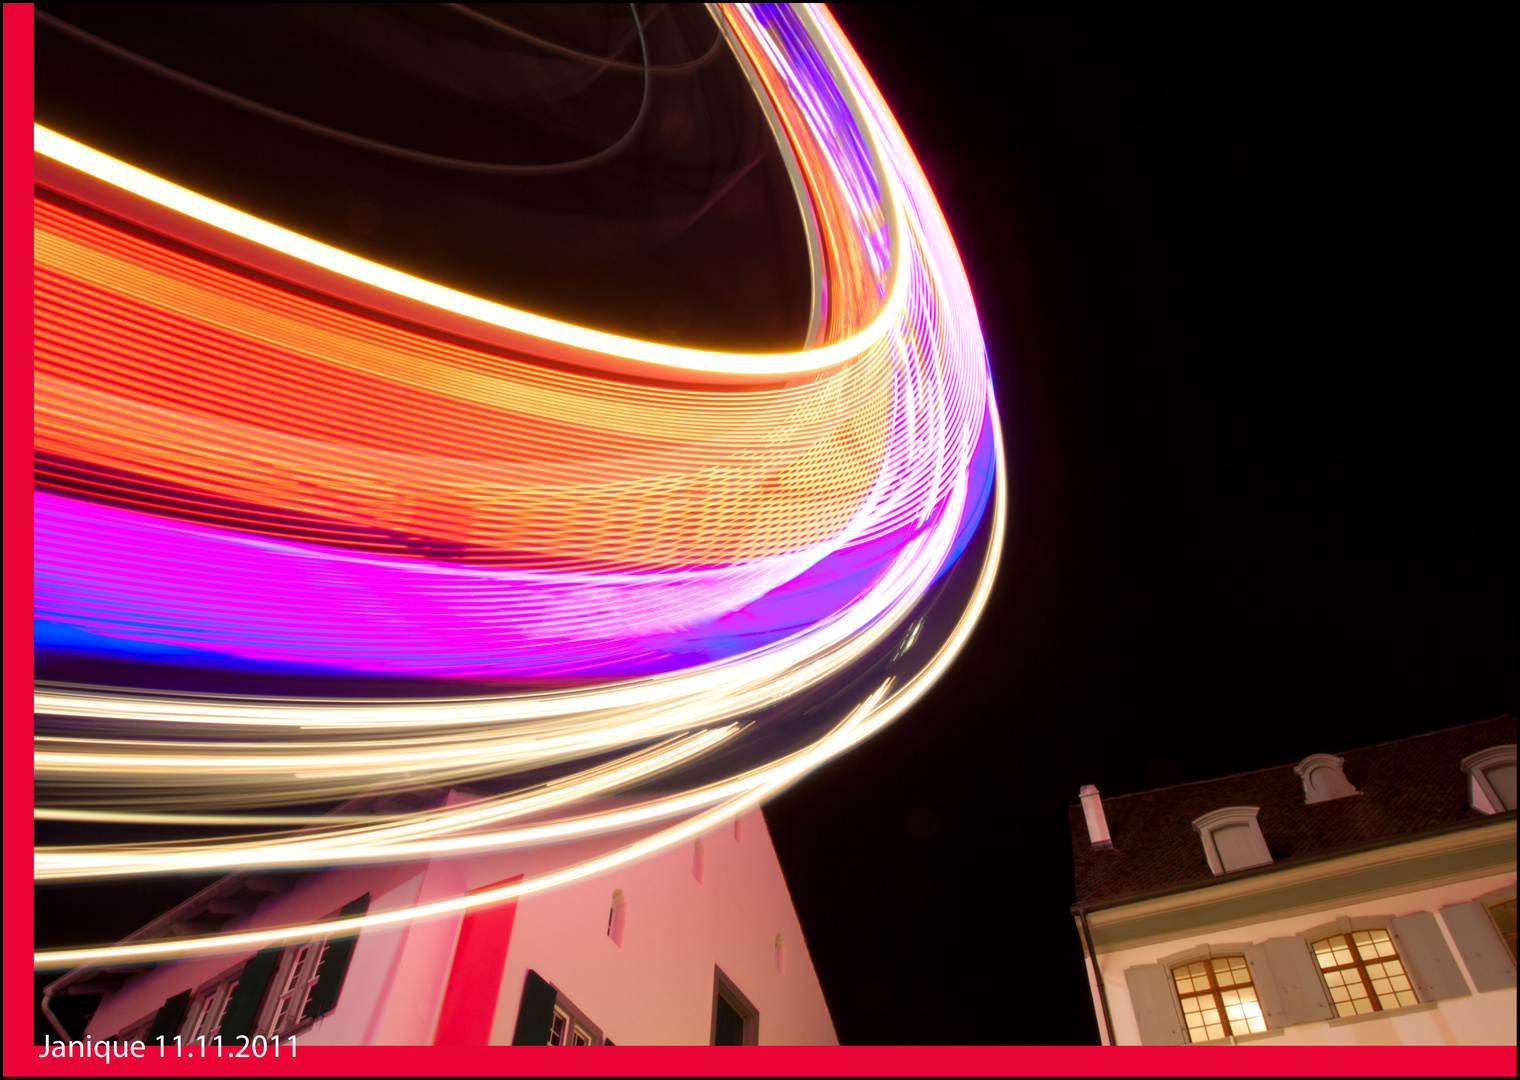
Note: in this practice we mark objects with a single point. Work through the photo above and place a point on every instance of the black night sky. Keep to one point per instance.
(1233, 272)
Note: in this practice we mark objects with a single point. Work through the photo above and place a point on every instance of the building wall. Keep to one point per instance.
(312, 898)
(1477, 1019)
(657, 988)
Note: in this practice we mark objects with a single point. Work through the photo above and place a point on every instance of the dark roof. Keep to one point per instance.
(1407, 786)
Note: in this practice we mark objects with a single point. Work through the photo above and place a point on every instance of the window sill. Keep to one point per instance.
(1232, 1040)
(1270, 1033)
(1343, 1021)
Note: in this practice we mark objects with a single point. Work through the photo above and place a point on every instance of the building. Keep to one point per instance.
(1362, 898)
(698, 944)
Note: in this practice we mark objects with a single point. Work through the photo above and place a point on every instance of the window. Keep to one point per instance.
(280, 990)
(137, 1032)
(1232, 839)
(735, 1022)
(294, 981)
(1363, 972)
(1324, 778)
(208, 1007)
(1218, 998)
(1491, 779)
(565, 1031)
(546, 1017)
(1503, 914)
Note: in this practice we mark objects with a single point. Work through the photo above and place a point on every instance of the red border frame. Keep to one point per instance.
(21, 1057)
(18, 527)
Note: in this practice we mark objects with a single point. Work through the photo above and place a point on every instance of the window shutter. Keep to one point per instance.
(324, 996)
(1432, 968)
(166, 1022)
(1297, 980)
(1150, 992)
(1266, 987)
(535, 1014)
(243, 1009)
(1488, 960)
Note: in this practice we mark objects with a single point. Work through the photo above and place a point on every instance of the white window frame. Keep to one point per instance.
(1226, 817)
(208, 1005)
(571, 1023)
(1481, 795)
(294, 978)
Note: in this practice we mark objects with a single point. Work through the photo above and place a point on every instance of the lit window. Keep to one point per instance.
(1503, 914)
(1491, 779)
(1363, 972)
(1218, 998)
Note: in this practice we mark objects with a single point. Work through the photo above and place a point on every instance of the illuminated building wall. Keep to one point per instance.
(632, 957)
(1360, 899)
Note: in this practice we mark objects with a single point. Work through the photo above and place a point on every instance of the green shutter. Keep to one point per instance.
(340, 951)
(243, 1009)
(1299, 986)
(1150, 993)
(1431, 967)
(166, 1023)
(535, 1014)
(1488, 959)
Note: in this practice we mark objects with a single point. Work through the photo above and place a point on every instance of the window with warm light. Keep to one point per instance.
(1363, 972)
(1218, 998)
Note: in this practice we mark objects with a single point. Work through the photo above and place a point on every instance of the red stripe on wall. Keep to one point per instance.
(469, 1001)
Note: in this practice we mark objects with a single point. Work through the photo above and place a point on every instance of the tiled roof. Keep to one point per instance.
(1407, 786)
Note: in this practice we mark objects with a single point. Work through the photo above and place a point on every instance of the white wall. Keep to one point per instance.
(654, 989)
(657, 987)
(1475, 1020)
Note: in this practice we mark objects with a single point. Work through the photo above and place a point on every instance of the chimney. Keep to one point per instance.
(1097, 824)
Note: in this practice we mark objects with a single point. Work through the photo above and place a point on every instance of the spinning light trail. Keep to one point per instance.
(235, 476)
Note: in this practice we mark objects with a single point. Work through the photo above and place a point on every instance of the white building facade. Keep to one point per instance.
(1367, 899)
(697, 945)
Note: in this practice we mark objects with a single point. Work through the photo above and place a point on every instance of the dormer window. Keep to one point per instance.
(1232, 839)
(1491, 779)
(1324, 778)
